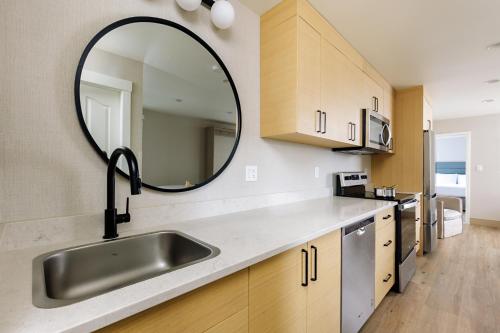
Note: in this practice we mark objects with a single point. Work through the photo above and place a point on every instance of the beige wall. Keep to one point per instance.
(47, 168)
(174, 148)
(485, 151)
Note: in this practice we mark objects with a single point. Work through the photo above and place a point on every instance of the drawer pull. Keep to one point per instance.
(387, 217)
(388, 243)
(417, 219)
(388, 278)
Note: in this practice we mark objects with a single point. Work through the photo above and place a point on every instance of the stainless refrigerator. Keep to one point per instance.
(430, 212)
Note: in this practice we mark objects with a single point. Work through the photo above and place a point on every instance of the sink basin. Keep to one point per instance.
(71, 275)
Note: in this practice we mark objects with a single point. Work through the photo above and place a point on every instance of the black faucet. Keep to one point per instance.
(111, 218)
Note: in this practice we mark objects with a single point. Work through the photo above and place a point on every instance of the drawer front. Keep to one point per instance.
(384, 277)
(382, 219)
(385, 241)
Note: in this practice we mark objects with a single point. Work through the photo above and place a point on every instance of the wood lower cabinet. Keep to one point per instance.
(221, 307)
(324, 289)
(299, 290)
(295, 291)
(385, 252)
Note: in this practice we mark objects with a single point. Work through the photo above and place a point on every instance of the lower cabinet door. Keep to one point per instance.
(323, 292)
(221, 307)
(277, 297)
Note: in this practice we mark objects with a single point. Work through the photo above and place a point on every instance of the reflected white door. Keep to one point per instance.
(104, 117)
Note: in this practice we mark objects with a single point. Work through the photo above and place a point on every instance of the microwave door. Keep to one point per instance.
(378, 131)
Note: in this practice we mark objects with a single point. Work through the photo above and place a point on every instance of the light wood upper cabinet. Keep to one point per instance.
(313, 83)
(309, 81)
(339, 81)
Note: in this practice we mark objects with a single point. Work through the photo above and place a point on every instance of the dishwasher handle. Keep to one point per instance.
(361, 231)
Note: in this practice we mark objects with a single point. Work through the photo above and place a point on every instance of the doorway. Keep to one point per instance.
(453, 168)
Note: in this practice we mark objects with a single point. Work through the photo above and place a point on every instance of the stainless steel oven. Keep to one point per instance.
(405, 243)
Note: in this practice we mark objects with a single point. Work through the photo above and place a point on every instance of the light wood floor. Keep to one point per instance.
(455, 289)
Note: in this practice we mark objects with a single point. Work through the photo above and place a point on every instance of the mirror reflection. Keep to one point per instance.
(157, 90)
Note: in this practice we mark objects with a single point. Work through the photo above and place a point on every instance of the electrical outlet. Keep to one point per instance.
(251, 173)
(316, 172)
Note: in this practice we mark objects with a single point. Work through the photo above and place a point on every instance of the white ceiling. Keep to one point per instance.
(439, 43)
(178, 73)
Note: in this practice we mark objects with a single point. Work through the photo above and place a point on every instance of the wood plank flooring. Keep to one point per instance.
(455, 289)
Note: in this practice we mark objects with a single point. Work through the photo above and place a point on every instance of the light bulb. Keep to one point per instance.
(222, 14)
(189, 5)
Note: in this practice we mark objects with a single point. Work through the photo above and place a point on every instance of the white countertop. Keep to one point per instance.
(244, 239)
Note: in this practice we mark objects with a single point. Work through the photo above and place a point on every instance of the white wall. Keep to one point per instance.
(47, 168)
(451, 149)
(485, 152)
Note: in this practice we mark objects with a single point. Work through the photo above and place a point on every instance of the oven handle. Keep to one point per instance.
(408, 205)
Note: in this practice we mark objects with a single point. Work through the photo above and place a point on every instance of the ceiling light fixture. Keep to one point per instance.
(489, 100)
(189, 5)
(493, 81)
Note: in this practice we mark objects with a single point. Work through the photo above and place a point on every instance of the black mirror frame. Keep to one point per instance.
(147, 19)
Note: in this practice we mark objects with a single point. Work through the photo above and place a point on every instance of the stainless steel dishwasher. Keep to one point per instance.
(358, 274)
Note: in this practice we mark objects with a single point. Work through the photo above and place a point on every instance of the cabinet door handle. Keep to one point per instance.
(388, 243)
(314, 253)
(388, 278)
(324, 123)
(417, 219)
(305, 265)
(387, 217)
(349, 131)
(318, 128)
(354, 130)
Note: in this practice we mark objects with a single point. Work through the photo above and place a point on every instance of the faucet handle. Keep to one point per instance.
(124, 218)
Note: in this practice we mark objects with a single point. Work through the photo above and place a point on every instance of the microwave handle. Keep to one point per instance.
(389, 137)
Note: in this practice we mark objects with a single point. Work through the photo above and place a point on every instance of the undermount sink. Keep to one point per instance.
(71, 275)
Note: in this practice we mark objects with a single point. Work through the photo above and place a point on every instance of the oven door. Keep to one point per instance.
(406, 229)
(378, 131)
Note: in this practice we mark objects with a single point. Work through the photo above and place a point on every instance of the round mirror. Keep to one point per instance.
(159, 89)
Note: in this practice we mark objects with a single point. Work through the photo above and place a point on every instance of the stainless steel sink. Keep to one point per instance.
(70, 275)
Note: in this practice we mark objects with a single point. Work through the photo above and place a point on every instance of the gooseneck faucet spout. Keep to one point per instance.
(111, 218)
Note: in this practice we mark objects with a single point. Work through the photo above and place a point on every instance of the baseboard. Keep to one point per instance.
(486, 223)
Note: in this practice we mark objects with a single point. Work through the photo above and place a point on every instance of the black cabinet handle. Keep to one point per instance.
(314, 252)
(388, 278)
(387, 217)
(305, 260)
(388, 243)
(324, 123)
(318, 113)
(417, 219)
(354, 129)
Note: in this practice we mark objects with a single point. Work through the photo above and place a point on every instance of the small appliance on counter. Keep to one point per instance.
(353, 184)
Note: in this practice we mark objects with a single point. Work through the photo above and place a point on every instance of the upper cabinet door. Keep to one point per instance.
(309, 81)
(340, 87)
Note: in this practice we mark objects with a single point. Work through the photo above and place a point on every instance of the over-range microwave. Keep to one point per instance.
(377, 135)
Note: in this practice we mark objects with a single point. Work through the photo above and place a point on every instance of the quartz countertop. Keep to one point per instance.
(244, 238)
